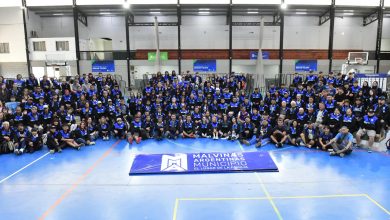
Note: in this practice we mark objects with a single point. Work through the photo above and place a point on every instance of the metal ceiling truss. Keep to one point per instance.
(82, 17)
(370, 18)
(324, 18)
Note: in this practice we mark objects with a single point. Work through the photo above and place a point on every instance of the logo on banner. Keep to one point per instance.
(177, 163)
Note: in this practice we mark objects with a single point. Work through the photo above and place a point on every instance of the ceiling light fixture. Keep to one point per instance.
(301, 13)
(105, 13)
(59, 14)
(155, 12)
(348, 14)
(204, 12)
(283, 6)
(253, 12)
(204, 9)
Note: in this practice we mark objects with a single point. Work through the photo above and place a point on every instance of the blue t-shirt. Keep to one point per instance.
(344, 138)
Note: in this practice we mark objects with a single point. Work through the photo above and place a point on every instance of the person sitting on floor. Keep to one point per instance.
(279, 134)
(342, 143)
(33, 141)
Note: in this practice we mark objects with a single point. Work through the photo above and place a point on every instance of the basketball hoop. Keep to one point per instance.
(359, 61)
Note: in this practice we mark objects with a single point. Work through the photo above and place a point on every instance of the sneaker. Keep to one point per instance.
(82, 145)
(78, 148)
(258, 145)
(369, 151)
(16, 151)
(280, 145)
(59, 150)
(92, 143)
(245, 142)
(332, 153)
(130, 140)
(52, 151)
(138, 140)
(342, 155)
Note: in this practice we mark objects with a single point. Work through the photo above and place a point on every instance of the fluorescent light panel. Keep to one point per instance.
(47, 3)
(358, 2)
(10, 3)
(308, 2)
(204, 2)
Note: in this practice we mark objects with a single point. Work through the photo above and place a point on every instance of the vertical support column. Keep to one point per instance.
(230, 15)
(331, 34)
(24, 6)
(179, 36)
(379, 35)
(128, 54)
(76, 35)
(281, 47)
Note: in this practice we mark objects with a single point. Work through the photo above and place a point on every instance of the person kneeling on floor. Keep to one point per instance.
(342, 143)
(247, 136)
(53, 140)
(120, 130)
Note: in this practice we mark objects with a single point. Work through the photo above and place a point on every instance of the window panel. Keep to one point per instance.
(204, 2)
(308, 2)
(10, 3)
(358, 2)
(156, 2)
(387, 2)
(257, 2)
(48, 3)
(4, 47)
(62, 45)
(39, 45)
(100, 2)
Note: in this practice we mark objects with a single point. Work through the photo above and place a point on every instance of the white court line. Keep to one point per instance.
(21, 169)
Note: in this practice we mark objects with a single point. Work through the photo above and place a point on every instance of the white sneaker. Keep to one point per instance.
(52, 151)
(92, 143)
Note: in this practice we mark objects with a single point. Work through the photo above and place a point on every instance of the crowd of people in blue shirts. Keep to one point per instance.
(316, 111)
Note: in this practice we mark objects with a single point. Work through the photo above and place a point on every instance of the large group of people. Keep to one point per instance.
(316, 110)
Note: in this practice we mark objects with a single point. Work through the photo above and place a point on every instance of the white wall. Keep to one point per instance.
(351, 34)
(211, 32)
(12, 32)
(57, 27)
(386, 34)
(51, 49)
